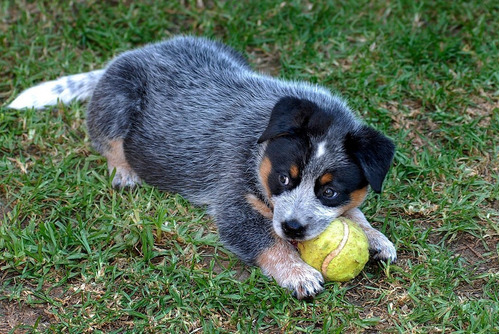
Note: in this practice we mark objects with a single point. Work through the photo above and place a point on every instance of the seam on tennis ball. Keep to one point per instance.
(336, 251)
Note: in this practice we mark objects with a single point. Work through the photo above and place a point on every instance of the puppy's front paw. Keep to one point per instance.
(282, 262)
(381, 248)
(304, 281)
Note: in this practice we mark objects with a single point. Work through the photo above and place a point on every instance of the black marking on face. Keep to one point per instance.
(284, 159)
(296, 117)
(336, 187)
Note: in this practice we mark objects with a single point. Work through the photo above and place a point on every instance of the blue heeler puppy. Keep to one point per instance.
(274, 161)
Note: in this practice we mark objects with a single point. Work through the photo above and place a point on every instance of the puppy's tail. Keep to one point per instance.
(65, 89)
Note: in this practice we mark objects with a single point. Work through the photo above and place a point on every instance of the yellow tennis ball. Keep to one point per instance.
(339, 253)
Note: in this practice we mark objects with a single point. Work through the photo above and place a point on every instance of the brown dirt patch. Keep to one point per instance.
(376, 298)
(4, 209)
(22, 317)
(408, 116)
(480, 254)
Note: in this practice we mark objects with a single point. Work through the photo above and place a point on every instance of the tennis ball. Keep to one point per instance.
(339, 253)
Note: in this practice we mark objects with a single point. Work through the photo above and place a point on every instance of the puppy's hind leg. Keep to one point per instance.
(108, 125)
(117, 99)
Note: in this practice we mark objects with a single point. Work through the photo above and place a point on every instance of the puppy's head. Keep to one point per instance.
(317, 164)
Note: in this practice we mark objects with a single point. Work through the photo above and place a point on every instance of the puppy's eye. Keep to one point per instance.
(329, 193)
(284, 180)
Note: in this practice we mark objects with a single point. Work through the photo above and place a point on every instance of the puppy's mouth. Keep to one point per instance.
(294, 243)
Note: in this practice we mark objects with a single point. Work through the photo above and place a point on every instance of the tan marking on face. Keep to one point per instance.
(357, 197)
(264, 171)
(259, 206)
(326, 178)
(294, 171)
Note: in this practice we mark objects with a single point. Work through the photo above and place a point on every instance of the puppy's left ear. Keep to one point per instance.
(373, 152)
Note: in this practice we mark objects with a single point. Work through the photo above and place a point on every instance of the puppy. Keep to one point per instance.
(273, 161)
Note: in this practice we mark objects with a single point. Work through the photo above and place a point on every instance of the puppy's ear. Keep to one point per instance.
(373, 152)
(294, 117)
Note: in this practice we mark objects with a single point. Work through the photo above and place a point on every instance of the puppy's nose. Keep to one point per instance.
(293, 229)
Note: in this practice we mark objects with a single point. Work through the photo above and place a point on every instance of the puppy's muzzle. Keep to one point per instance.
(293, 229)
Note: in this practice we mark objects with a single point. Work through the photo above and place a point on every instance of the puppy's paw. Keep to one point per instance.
(381, 248)
(125, 178)
(304, 281)
(283, 263)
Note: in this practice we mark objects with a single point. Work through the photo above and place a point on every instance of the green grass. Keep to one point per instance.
(77, 256)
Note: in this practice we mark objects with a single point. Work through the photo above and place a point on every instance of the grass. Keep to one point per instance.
(77, 256)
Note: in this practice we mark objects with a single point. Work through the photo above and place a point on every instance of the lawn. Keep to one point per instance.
(77, 256)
